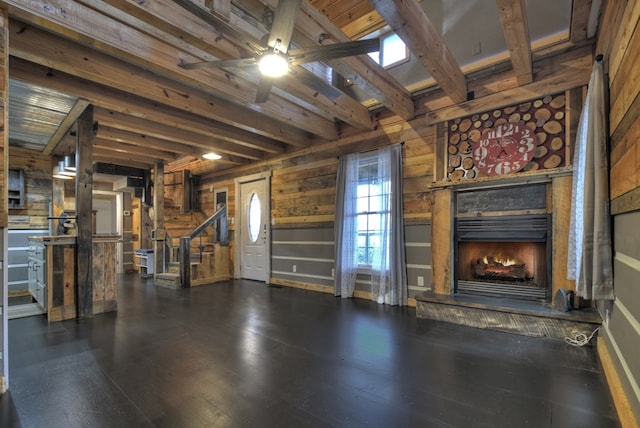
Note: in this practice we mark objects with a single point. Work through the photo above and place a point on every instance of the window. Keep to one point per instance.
(255, 216)
(369, 226)
(392, 52)
(372, 210)
(220, 197)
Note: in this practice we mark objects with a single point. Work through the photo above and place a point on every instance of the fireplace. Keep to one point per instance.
(506, 256)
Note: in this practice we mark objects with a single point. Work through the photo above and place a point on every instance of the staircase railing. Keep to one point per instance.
(221, 234)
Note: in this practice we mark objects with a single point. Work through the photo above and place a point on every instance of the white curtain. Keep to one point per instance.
(590, 252)
(346, 227)
(388, 272)
(388, 267)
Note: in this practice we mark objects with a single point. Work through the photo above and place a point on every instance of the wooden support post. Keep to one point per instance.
(84, 221)
(185, 261)
(158, 219)
(441, 242)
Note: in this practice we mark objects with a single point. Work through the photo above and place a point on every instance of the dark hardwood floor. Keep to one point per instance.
(242, 354)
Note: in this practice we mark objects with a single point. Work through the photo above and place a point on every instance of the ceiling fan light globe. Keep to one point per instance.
(273, 65)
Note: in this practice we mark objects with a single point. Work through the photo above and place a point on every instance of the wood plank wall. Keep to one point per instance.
(619, 343)
(37, 189)
(174, 185)
(303, 205)
(303, 182)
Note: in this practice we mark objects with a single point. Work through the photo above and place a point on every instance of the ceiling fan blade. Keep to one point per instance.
(284, 21)
(218, 64)
(333, 51)
(264, 87)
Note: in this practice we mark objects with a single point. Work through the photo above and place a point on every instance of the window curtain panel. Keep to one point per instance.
(388, 269)
(346, 228)
(590, 251)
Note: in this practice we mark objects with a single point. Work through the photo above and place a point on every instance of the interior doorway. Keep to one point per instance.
(107, 211)
(253, 231)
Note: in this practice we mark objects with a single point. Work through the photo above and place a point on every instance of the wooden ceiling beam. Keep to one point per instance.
(342, 107)
(173, 19)
(148, 52)
(566, 70)
(107, 149)
(513, 17)
(118, 135)
(33, 45)
(409, 20)
(580, 11)
(136, 106)
(133, 150)
(361, 69)
(158, 130)
(100, 155)
(65, 125)
(154, 18)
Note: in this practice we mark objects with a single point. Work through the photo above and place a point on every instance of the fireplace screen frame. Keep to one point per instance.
(503, 229)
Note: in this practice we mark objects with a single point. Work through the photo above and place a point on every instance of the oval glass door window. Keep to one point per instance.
(255, 215)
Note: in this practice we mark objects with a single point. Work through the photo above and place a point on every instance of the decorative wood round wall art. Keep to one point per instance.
(524, 137)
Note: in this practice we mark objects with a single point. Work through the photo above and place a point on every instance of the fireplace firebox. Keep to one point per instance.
(506, 256)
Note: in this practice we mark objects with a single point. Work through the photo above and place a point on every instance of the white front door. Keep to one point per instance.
(254, 230)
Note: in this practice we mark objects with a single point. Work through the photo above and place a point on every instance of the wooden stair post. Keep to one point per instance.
(185, 261)
(158, 219)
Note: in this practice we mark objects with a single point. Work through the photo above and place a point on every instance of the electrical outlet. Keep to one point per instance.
(295, 268)
(333, 272)
(421, 281)
(476, 48)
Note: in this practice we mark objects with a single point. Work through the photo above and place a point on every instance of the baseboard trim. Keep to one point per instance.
(301, 285)
(620, 399)
(359, 294)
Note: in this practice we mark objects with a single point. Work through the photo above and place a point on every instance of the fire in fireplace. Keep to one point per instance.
(501, 269)
(507, 257)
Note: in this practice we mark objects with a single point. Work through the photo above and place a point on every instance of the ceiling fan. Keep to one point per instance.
(276, 59)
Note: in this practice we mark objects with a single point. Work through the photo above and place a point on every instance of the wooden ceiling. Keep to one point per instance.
(123, 56)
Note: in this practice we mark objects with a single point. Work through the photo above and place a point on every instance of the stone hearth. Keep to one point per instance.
(507, 315)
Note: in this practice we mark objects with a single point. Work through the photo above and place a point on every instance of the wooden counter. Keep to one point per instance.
(52, 274)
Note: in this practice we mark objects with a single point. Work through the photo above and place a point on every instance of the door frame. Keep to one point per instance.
(240, 214)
